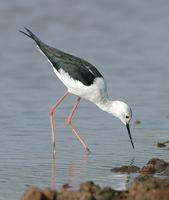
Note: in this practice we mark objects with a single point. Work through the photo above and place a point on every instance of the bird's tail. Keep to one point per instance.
(32, 36)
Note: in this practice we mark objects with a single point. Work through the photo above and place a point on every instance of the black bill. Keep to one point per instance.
(128, 129)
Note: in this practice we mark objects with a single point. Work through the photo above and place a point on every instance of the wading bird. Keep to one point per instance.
(83, 80)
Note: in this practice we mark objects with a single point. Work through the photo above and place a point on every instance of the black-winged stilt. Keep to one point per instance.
(84, 80)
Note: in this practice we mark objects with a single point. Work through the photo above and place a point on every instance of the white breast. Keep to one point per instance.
(94, 92)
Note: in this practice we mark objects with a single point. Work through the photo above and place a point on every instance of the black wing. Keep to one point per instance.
(77, 68)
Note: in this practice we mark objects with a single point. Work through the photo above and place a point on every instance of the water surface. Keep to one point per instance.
(128, 41)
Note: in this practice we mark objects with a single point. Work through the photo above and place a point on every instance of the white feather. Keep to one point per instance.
(95, 92)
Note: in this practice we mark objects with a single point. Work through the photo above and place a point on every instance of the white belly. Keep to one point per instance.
(94, 92)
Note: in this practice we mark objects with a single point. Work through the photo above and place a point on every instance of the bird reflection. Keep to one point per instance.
(73, 171)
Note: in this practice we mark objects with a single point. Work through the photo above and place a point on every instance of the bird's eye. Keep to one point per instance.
(127, 116)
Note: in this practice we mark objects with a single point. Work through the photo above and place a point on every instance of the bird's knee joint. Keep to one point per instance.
(68, 121)
(50, 112)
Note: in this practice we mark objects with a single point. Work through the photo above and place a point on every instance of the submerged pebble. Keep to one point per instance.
(137, 122)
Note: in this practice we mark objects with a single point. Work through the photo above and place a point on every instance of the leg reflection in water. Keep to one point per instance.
(74, 170)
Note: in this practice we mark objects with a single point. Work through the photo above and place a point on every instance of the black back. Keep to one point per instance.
(77, 68)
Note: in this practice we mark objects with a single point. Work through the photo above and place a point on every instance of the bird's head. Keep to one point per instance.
(122, 111)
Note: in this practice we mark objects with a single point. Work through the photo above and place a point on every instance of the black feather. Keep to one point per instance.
(77, 68)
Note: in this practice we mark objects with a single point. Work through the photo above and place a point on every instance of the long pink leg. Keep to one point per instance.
(69, 123)
(51, 112)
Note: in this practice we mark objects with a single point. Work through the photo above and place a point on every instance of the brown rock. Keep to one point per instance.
(33, 193)
(89, 187)
(151, 189)
(50, 194)
(126, 169)
(89, 191)
(143, 177)
(159, 164)
(86, 196)
(74, 195)
(147, 169)
(105, 193)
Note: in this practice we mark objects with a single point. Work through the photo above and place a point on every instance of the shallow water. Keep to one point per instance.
(128, 41)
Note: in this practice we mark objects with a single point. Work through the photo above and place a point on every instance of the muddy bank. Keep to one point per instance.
(87, 191)
(145, 187)
(140, 189)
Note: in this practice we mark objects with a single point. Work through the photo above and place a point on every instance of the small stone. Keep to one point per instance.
(137, 122)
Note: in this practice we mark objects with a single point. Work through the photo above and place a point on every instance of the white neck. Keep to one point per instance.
(106, 105)
(117, 108)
